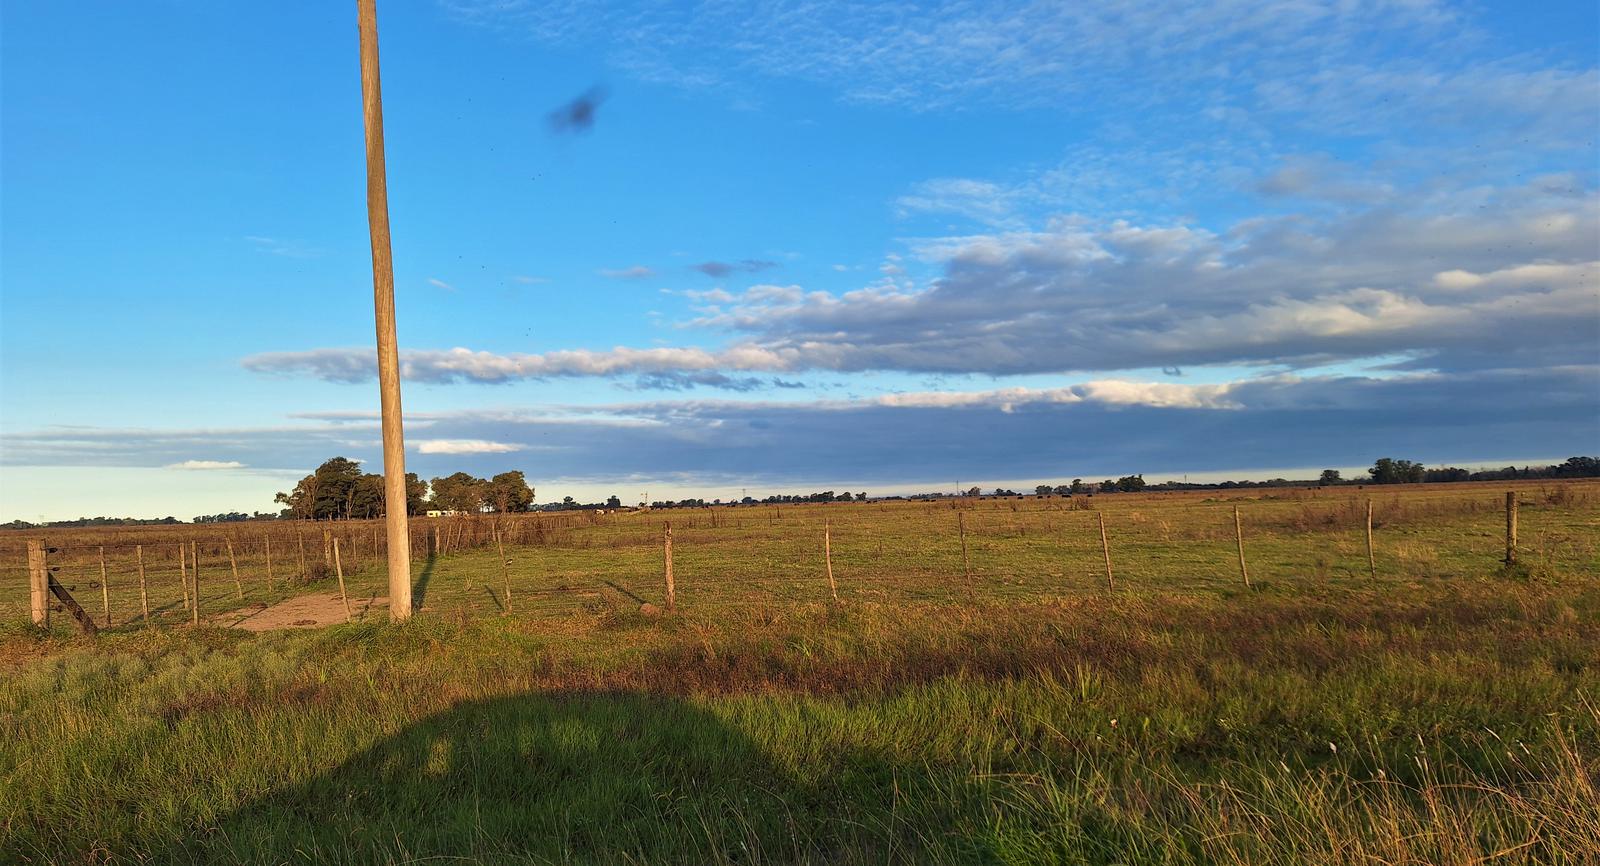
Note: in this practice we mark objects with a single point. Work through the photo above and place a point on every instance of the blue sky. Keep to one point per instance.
(803, 246)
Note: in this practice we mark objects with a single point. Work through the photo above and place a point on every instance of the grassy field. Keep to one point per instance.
(1445, 711)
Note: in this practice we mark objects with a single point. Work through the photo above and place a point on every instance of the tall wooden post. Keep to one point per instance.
(1511, 527)
(827, 557)
(394, 449)
(38, 584)
(1238, 536)
(1105, 547)
(144, 595)
(338, 569)
(105, 587)
(672, 595)
(1372, 561)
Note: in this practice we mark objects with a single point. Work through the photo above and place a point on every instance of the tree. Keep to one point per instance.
(1043, 490)
(509, 491)
(1329, 477)
(1387, 470)
(1077, 486)
(416, 494)
(1108, 486)
(366, 496)
(973, 492)
(1130, 483)
(459, 492)
(614, 502)
(861, 496)
(325, 494)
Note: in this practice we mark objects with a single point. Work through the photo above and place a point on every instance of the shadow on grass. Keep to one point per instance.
(588, 777)
(419, 590)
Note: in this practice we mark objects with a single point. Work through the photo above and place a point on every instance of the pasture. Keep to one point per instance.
(980, 691)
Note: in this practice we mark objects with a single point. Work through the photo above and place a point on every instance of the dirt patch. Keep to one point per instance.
(306, 611)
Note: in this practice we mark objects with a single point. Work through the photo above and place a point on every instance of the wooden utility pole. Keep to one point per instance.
(394, 449)
(38, 584)
(1372, 561)
(1238, 536)
(672, 595)
(1105, 547)
(1511, 527)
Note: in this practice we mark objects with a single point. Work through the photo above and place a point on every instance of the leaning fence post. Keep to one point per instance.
(144, 596)
(672, 595)
(1372, 562)
(38, 584)
(105, 587)
(1105, 548)
(234, 564)
(1238, 536)
(1511, 527)
(338, 568)
(827, 558)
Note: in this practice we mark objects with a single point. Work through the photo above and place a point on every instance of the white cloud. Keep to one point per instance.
(206, 464)
(636, 272)
(463, 446)
(438, 283)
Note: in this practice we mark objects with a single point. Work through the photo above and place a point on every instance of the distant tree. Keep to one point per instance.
(1387, 470)
(324, 494)
(366, 496)
(613, 502)
(973, 491)
(1077, 486)
(1130, 483)
(1578, 467)
(1043, 490)
(509, 491)
(1329, 477)
(416, 494)
(861, 496)
(1108, 486)
(459, 492)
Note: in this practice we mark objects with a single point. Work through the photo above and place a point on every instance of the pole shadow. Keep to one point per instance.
(419, 591)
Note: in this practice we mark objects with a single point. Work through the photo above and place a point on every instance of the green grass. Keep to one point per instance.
(1444, 713)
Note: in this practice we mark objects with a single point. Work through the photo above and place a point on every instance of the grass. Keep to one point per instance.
(1443, 713)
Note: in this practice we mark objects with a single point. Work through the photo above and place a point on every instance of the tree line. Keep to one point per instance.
(339, 490)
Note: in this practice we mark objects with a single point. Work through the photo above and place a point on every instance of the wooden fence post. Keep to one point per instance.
(268, 538)
(338, 568)
(1511, 527)
(38, 584)
(105, 587)
(672, 595)
(144, 596)
(194, 560)
(505, 571)
(1105, 547)
(827, 557)
(966, 564)
(183, 573)
(300, 538)
(1372, 561)
(1238, 536)
(234, 565)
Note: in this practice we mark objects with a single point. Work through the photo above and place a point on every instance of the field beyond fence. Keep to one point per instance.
(954, 681)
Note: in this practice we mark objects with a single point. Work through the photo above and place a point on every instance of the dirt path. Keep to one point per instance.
(305, 611)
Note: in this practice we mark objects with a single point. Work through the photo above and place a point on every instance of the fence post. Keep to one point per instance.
(672, 595)
(268, 538)
(105, 587)
(144, 596)
(38, 583)
(234, 564)
(338, 568)
(1511, 527)
(183, 573)
(1372, 562)
(194, 560)
(1238, 535)
(1105, 548)
(827, 557)
(966, 564)
(505, 571)
(300, 539)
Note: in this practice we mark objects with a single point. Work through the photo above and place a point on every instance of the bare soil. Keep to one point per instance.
(305, 611)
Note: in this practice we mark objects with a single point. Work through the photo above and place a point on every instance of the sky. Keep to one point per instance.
(802, 246)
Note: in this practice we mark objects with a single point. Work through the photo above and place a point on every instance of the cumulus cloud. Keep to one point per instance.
(463, 446)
